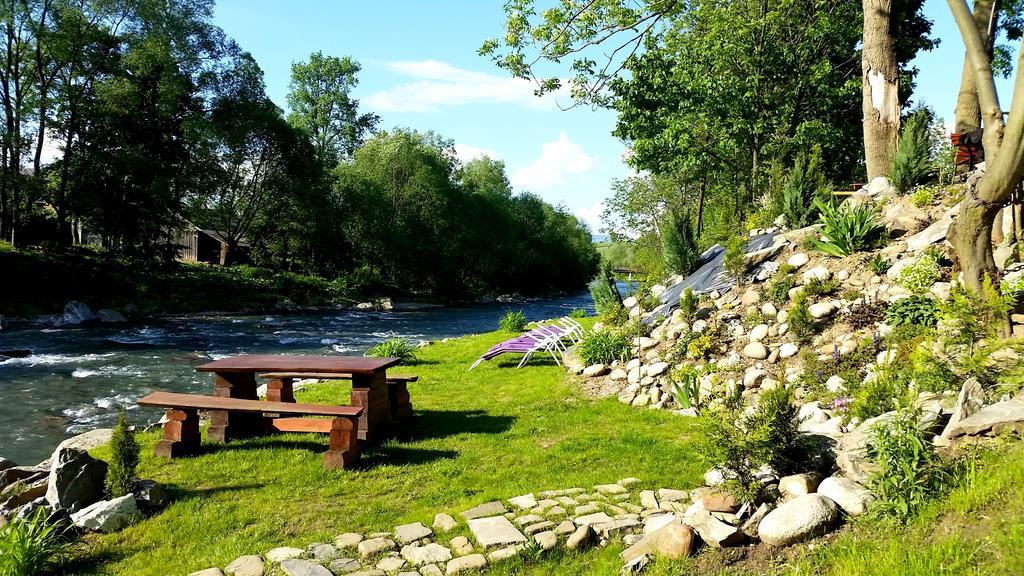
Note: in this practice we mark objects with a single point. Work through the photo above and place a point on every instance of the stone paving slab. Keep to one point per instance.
(495, 531)
(483, 510)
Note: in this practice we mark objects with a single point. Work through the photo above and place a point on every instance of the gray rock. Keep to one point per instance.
(595, 370)
(431, 570)
(208, 572)
(149, 494)
(849, 495)
(296, 567)
(375, 546)
(76, 479)
(581, 539)
(407, 533)
(799, 484)
(22, 492)
(283, 553)
(251, 565)
(991, 420)
(429, 554)
(713, 531)
(323, 552)
(798, 520)
(488, 509)
(85, 441)
(595, 518)
(391, 564)
(108, 515)
(470, 563)
(970, 400)
(755, 350)
(670, 495)
(504, 553)
(348, 540)
(524, 502)
(822, 310)
(936, 232)
(546, 540)
(749, 526)
(444, 522)
(495, 531)
(345, 565)
(851, 451)
(674, 540)
(108, 316)
(77, 313)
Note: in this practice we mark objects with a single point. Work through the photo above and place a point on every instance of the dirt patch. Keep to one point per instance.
(601, 387)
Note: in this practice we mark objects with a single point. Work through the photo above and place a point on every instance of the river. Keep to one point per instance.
(78, 378)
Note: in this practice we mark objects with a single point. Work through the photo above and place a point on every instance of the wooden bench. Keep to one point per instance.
(181, 432)
(281, 388)
(967, 154)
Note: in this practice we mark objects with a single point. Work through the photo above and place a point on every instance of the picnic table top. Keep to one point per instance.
(281, 363)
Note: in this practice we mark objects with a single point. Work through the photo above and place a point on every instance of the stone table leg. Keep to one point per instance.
(280, 390)
(226, 426)
(371, 393)
(344, 447)
(181, 434)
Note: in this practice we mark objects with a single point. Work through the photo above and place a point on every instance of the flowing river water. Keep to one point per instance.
(78, 378)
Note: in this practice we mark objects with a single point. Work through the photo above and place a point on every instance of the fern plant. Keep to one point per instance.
(846, 229)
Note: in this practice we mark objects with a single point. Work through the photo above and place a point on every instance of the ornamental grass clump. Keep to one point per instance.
(29, 545)
(124, 459)
(847, 229)
(513, 321)
(603, 347)
(393, 348)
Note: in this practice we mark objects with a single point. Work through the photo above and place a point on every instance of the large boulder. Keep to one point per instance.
(934, 233)
(852, 497)
(800, 519)
(851, 452)
(902, 217)
(970, 400)
(85, 441)
(76, 479)
(108, 515)
(714, 531)
(674, 540)
(108, 316)
(77, 313)
(991, 420)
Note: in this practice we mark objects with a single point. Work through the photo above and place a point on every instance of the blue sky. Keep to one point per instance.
(421, 71)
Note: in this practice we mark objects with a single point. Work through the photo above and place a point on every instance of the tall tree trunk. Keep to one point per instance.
(968, 108)
(881, 102)
(700, 205)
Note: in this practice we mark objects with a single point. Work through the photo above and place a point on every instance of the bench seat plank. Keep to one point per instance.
(332, 376)
(200, 402)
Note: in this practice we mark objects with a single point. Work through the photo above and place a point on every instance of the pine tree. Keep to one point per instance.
(124, 459)
(913, 154)
(678, 243)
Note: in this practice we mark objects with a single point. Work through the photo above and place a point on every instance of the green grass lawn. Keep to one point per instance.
(498, 432)
(495, 432)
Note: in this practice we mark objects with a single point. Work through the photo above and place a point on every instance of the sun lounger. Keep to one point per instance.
(547, 338)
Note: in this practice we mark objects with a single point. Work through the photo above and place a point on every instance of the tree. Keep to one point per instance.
(679, 243)
(971, 232)
(321, 104)
(124, 459)
(486, 176)
(991, 17)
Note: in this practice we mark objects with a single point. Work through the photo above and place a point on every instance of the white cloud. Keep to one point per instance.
(439, 84)
(557, 160)
(592, 216)
(465, 153)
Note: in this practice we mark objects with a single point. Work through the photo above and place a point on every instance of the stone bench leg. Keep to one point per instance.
(181, 434)
(226, 426)
(344, 446)
(401, 406)
(280, 390)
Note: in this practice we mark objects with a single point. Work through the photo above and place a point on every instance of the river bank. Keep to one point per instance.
(78, 377)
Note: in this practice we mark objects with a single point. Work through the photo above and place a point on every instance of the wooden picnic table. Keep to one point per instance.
(235, 377)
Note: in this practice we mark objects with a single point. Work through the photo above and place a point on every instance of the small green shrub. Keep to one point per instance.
(734, 261)
(879, 264)
(513, 321)
(1013, 286)
(818, 287)
(778, 289)
(578, 313)
(888, 390)
(909, 472)
(741, 445)
(679, 243)
(688, 305)
(919, 276)
(919, 310)
(852, 294)
(603, 347)
(124, 459)
(607, 300)
(801, 323)
(924, 196)
(699, 347)
(29, 545)
(912, 163)
(846, 230)
(393, 348)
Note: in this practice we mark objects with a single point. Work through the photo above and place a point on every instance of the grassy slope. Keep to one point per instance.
(45, 282)
(495, 432)
(498, 432)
